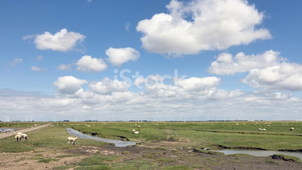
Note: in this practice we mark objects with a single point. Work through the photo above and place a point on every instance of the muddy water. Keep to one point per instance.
(118, 143)
(259, 153)
(3, 130)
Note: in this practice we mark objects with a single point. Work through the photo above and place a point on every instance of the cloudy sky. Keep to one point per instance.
(154, 60)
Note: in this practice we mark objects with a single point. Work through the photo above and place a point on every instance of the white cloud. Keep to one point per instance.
(89, 1)
(16, 61)
(34, 68)
(198, 84)
(60, 41)
(212, 25)
(26, 37)
(166, 102)
(64, 67)
(127, 26)
(268, 70)
(107, 86)
(285, 76)
(69, 84)
(88, 64)
(119, 56)
(226, 64)
(40, 58)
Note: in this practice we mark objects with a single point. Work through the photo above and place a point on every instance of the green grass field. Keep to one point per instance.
(175, 135)
(228, 134)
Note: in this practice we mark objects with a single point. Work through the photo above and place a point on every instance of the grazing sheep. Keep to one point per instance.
(268, 125)
(72, 140)
(139, 126)
(260, 129)
(134, 132)
(24, 136)
(18, 137)
(7, 130)
(292, 129)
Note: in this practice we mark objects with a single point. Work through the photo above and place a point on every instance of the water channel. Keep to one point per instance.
(118, 143)
(259, 153)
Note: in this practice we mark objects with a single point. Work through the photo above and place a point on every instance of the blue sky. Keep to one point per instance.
(239, 58)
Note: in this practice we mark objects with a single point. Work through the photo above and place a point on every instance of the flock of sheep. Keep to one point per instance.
(268, 125)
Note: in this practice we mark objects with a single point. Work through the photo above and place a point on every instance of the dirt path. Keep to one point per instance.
(4, 135)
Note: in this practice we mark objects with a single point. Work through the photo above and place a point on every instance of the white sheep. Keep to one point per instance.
(72, 140)
(135, 132)
(292, 129)
(7, 130)
(18, 137)
(24, 136)
(260, 129)
(139, 126)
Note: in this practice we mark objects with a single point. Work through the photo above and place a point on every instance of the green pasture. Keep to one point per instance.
(185, 137)
(209, 134)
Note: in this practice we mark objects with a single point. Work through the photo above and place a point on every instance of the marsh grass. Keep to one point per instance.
(65, 156)
(165, 160)
(48, 137)
(210, 134)
(188, 136)
(19, 125)
(97, 160)
(46, 160)
(179, 167)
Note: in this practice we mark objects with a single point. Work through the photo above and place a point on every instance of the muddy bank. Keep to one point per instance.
(239, 147)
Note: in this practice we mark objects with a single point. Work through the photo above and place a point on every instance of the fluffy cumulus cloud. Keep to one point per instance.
(268, 70)
(63, 40)
(227, 64)
(69, 84)
(119, 56)
(89, 64)
(107, 86)
(105, 99)
(284, 76)
(202, 25)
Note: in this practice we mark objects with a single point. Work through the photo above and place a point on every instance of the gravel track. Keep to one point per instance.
(4, 135)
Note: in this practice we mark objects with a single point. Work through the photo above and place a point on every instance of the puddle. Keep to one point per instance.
(259, 153)
(118, 143)
(3, 130)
